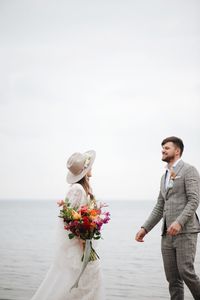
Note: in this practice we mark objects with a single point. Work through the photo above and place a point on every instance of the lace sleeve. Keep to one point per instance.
(75, 196)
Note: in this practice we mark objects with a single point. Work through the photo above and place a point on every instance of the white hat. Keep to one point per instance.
(79, 164)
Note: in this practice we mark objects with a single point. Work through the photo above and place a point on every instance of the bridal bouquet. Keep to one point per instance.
(84, 223)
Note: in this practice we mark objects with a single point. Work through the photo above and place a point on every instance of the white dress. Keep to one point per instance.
(67, 265)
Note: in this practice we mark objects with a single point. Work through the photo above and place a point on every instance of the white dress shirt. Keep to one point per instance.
(167, 175)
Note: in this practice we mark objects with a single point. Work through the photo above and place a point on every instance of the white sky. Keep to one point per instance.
(113, 76)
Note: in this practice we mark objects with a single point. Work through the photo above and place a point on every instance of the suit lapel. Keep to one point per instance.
(178, 167)
(163, 190)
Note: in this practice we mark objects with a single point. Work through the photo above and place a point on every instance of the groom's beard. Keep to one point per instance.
(168, 158)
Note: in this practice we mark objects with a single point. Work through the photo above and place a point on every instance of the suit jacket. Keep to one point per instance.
(179, 202)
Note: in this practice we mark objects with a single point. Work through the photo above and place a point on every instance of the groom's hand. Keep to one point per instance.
(140, 235)
(174, 228)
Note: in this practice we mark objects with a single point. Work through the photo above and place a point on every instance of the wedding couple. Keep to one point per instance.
(176, 205)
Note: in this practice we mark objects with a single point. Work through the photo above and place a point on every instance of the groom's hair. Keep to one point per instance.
(176, 141)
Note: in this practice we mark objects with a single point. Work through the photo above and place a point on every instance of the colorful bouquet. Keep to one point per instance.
(84, 223)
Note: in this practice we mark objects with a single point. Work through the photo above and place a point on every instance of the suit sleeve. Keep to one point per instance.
(156, 214)
(192, 188)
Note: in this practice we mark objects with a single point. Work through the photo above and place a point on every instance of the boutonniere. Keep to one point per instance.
(171, 179)
(172, 174)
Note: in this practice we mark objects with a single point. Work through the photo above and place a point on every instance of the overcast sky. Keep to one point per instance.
(113, 76)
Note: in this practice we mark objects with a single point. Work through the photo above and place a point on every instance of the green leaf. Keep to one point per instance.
(71, 236)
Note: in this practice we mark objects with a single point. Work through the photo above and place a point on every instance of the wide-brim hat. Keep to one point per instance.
(79, 164)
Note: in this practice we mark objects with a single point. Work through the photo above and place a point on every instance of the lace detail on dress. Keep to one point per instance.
(76, 194)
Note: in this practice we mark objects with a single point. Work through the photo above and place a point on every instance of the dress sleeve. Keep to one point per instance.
(75, 196)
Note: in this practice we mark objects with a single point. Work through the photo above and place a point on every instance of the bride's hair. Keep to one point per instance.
(86, 185)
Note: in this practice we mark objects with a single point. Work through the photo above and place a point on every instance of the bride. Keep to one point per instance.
(67, 262)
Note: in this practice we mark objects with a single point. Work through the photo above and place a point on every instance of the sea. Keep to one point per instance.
(131, 270)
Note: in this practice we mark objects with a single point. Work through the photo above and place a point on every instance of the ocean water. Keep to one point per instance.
(131, 270)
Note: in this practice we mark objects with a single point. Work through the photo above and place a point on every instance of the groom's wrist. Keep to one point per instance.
(144, 229)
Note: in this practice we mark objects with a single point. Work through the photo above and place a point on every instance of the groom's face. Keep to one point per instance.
(170, 152)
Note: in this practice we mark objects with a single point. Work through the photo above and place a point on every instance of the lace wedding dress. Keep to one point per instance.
(67, 265)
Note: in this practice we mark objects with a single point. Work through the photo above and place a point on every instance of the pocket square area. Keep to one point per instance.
(177, 177)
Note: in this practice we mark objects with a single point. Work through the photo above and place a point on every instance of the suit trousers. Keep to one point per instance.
(178, 254)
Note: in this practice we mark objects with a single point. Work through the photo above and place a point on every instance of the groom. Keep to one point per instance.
(177, 204)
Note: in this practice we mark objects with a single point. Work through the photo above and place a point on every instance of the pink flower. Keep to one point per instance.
(60, 202)
(83, 210)
(107, 218)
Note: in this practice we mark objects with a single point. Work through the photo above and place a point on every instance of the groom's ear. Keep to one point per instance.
(178, 151)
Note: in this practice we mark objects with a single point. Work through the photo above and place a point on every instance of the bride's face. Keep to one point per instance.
(89, 173)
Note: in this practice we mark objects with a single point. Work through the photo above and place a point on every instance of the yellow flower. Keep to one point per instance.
(76, 215)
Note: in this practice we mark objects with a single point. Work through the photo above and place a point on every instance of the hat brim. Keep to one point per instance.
(71, 178)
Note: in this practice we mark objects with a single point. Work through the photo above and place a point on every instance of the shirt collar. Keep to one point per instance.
(174, 165)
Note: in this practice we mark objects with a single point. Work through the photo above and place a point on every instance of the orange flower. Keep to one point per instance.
(93, 212)
(92, 224)
(93, 218)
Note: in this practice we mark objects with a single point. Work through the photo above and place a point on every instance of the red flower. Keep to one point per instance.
(86, 222)
(83, 210)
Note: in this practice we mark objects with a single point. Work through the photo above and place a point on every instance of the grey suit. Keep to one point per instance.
(179, 203)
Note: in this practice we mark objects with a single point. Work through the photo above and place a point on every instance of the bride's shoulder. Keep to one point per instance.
(76, 194)
(76, 189)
